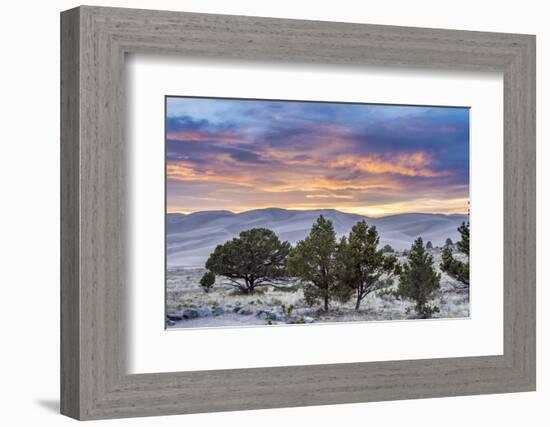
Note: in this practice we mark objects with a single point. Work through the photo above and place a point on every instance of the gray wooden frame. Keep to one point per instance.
(94, 41)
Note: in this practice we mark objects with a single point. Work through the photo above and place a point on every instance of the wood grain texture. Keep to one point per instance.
(70, 264)
(94, 235)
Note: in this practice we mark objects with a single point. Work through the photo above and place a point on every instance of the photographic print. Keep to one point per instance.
(286, 212)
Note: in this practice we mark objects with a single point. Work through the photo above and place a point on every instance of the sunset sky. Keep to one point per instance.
(376, 160)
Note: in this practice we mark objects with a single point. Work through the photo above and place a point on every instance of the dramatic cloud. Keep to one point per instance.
(371, 159)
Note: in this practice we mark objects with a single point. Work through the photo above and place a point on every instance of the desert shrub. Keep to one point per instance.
(207, 281)
(288, 310)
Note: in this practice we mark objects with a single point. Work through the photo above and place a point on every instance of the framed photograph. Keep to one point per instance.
(274, 213)
(302, 212)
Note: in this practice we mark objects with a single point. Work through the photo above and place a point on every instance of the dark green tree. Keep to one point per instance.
(448, 242)
(313, 261)
(419, 280)
(429, 245)
(207, 281)
(464, 243)
(455, 268)
(361, 265)
(387, 249)
(256, 258)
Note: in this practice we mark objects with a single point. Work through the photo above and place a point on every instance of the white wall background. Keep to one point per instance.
(29, 224)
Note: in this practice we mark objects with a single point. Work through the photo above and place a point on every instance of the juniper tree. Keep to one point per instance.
(387, 249)
(257, 258)
(361, 265)
(419, 280)
(207, 281)
(464, 243)
(455, 268)
(313, 262)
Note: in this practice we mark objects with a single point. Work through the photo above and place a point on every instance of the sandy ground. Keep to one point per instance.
(232, 319)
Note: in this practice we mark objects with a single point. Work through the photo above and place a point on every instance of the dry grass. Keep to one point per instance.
(183, 290)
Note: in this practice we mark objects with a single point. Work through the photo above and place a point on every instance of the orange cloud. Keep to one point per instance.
(310, 177)
(181, 172)
(415, 164)
(329, 196)
(227, 136)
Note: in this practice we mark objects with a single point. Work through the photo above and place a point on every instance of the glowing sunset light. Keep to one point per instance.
(375, 160)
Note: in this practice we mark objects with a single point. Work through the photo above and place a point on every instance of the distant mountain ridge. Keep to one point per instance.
(191, 238)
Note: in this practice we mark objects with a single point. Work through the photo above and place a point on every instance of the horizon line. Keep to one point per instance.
(181, 212)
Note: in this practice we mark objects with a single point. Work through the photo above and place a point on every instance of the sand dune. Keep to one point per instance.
(191, 238)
